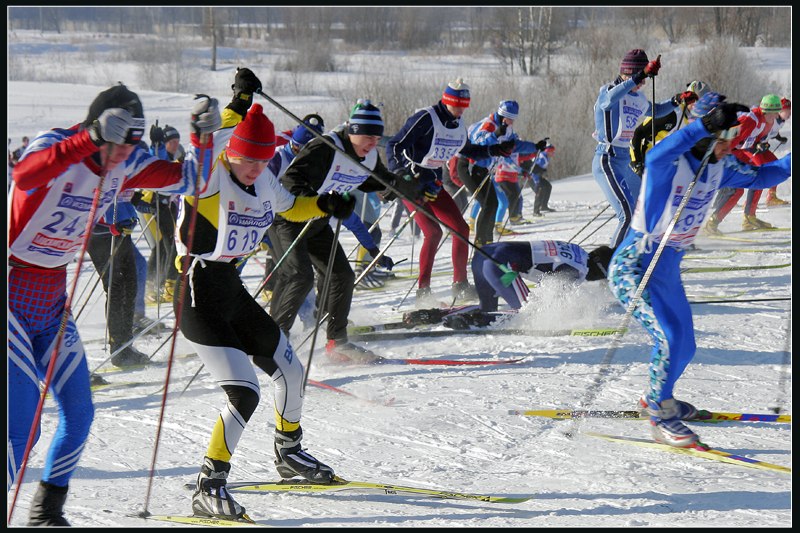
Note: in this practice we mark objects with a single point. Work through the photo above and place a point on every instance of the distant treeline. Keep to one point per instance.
(414, 27)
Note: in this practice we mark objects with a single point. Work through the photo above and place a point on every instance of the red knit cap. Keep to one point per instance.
(254, 137)
(456, 94)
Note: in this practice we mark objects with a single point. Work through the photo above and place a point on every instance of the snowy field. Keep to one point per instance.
(449, 427)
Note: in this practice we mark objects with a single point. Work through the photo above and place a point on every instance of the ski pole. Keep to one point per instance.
(296, 240)
(367, 269)
(598, 228)
(99, 279)
(324, 296)
(187, 261)
(653, 106)
(587, 224)
(134, 338)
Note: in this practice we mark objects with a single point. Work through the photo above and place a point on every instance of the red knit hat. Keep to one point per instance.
(254, 137)
(634, 61)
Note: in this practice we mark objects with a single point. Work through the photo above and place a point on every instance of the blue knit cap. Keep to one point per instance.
(301, 134)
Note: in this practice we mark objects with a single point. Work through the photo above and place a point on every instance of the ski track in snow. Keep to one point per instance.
(448, 427)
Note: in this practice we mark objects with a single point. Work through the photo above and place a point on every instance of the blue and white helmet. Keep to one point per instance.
(508, 109)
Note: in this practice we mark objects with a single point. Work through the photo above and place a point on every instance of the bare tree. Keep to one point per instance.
(211, 29)
(675, 22)
(524, 37)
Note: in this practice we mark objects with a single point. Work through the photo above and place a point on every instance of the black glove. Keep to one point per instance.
(637, 167)
(336, 205)
(141, 205)
(501, 130)
(384, 262)
(156, 134)
(504, 149)
(205, 114)
(723, 116)
(761, 147)
(780, 138)
(115, 125)
(244, 86)
(408, 185)
(541, 145)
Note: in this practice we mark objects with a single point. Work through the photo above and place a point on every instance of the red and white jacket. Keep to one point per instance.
(54, 188)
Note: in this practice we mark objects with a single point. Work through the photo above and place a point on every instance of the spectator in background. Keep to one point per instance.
(16, 155)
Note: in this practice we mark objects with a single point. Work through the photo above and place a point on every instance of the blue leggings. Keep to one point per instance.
(36, 302)
(663, 310)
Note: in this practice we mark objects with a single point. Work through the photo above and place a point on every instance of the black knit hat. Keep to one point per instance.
(170, 133)
(365, 119)
(118, 96)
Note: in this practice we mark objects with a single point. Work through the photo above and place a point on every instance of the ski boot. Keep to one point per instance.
(292, 461)
(211, 497)
(47, 507)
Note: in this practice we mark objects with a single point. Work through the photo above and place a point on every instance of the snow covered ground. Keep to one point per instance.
(444, 427)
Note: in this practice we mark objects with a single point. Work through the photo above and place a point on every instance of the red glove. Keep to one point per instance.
(688, 97)
(652, 68)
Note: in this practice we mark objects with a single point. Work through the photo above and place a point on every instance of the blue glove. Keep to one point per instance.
(431, 190)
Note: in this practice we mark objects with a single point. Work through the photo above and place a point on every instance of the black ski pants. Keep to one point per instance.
(295, 277)
(473, 178)
(118, 272)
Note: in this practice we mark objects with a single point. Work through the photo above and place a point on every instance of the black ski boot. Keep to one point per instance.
(471, 318)
(47, 507)
(129, 357)
(291, 460)
(211, 497)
